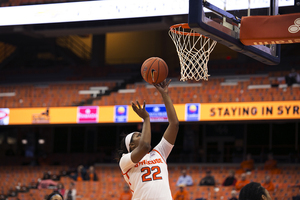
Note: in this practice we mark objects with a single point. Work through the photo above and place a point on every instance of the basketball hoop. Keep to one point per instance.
(193, 51)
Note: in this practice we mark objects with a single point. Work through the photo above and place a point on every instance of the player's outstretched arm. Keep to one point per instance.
(144, 144)
(172, 130)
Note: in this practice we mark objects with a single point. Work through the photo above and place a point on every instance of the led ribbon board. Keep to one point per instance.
(108, 10)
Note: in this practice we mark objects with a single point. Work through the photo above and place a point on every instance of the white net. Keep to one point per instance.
(193, 51)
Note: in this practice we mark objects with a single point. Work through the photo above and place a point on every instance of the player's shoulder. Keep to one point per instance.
(125, 158)
(126, 162)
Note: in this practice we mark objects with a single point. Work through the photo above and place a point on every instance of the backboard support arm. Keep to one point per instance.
(197, 19)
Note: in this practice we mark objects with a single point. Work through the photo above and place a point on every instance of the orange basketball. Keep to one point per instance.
(154, 70)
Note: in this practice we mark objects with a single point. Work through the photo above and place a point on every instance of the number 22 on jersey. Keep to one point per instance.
(151, 173)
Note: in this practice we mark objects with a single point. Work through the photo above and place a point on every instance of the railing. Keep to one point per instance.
(75, 45)
(5, 51)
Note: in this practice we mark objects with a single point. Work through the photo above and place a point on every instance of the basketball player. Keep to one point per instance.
(146, 172)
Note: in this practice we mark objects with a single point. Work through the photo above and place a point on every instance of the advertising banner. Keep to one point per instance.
(121, 113)
(157, 112)
(87, 114)
(272, 110)
(4, 116)
(192, 112)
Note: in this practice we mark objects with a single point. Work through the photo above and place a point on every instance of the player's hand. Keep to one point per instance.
(163, 86)
(140, 111)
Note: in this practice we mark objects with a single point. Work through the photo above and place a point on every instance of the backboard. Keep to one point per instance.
(220, 20)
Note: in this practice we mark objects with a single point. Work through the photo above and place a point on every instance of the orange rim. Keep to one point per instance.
(173, 29)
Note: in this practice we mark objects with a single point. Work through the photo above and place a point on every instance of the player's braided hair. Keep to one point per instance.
(55, 196)
(252, 191)
(122, 148)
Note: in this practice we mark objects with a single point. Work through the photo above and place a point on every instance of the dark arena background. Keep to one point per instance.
(65, 93)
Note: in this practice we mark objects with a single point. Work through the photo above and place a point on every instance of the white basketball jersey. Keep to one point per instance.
(149, 178)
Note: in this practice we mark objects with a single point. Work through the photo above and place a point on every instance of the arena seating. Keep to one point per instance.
(111, 182)
(230, 89)
(264, 87)
(49, 95)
